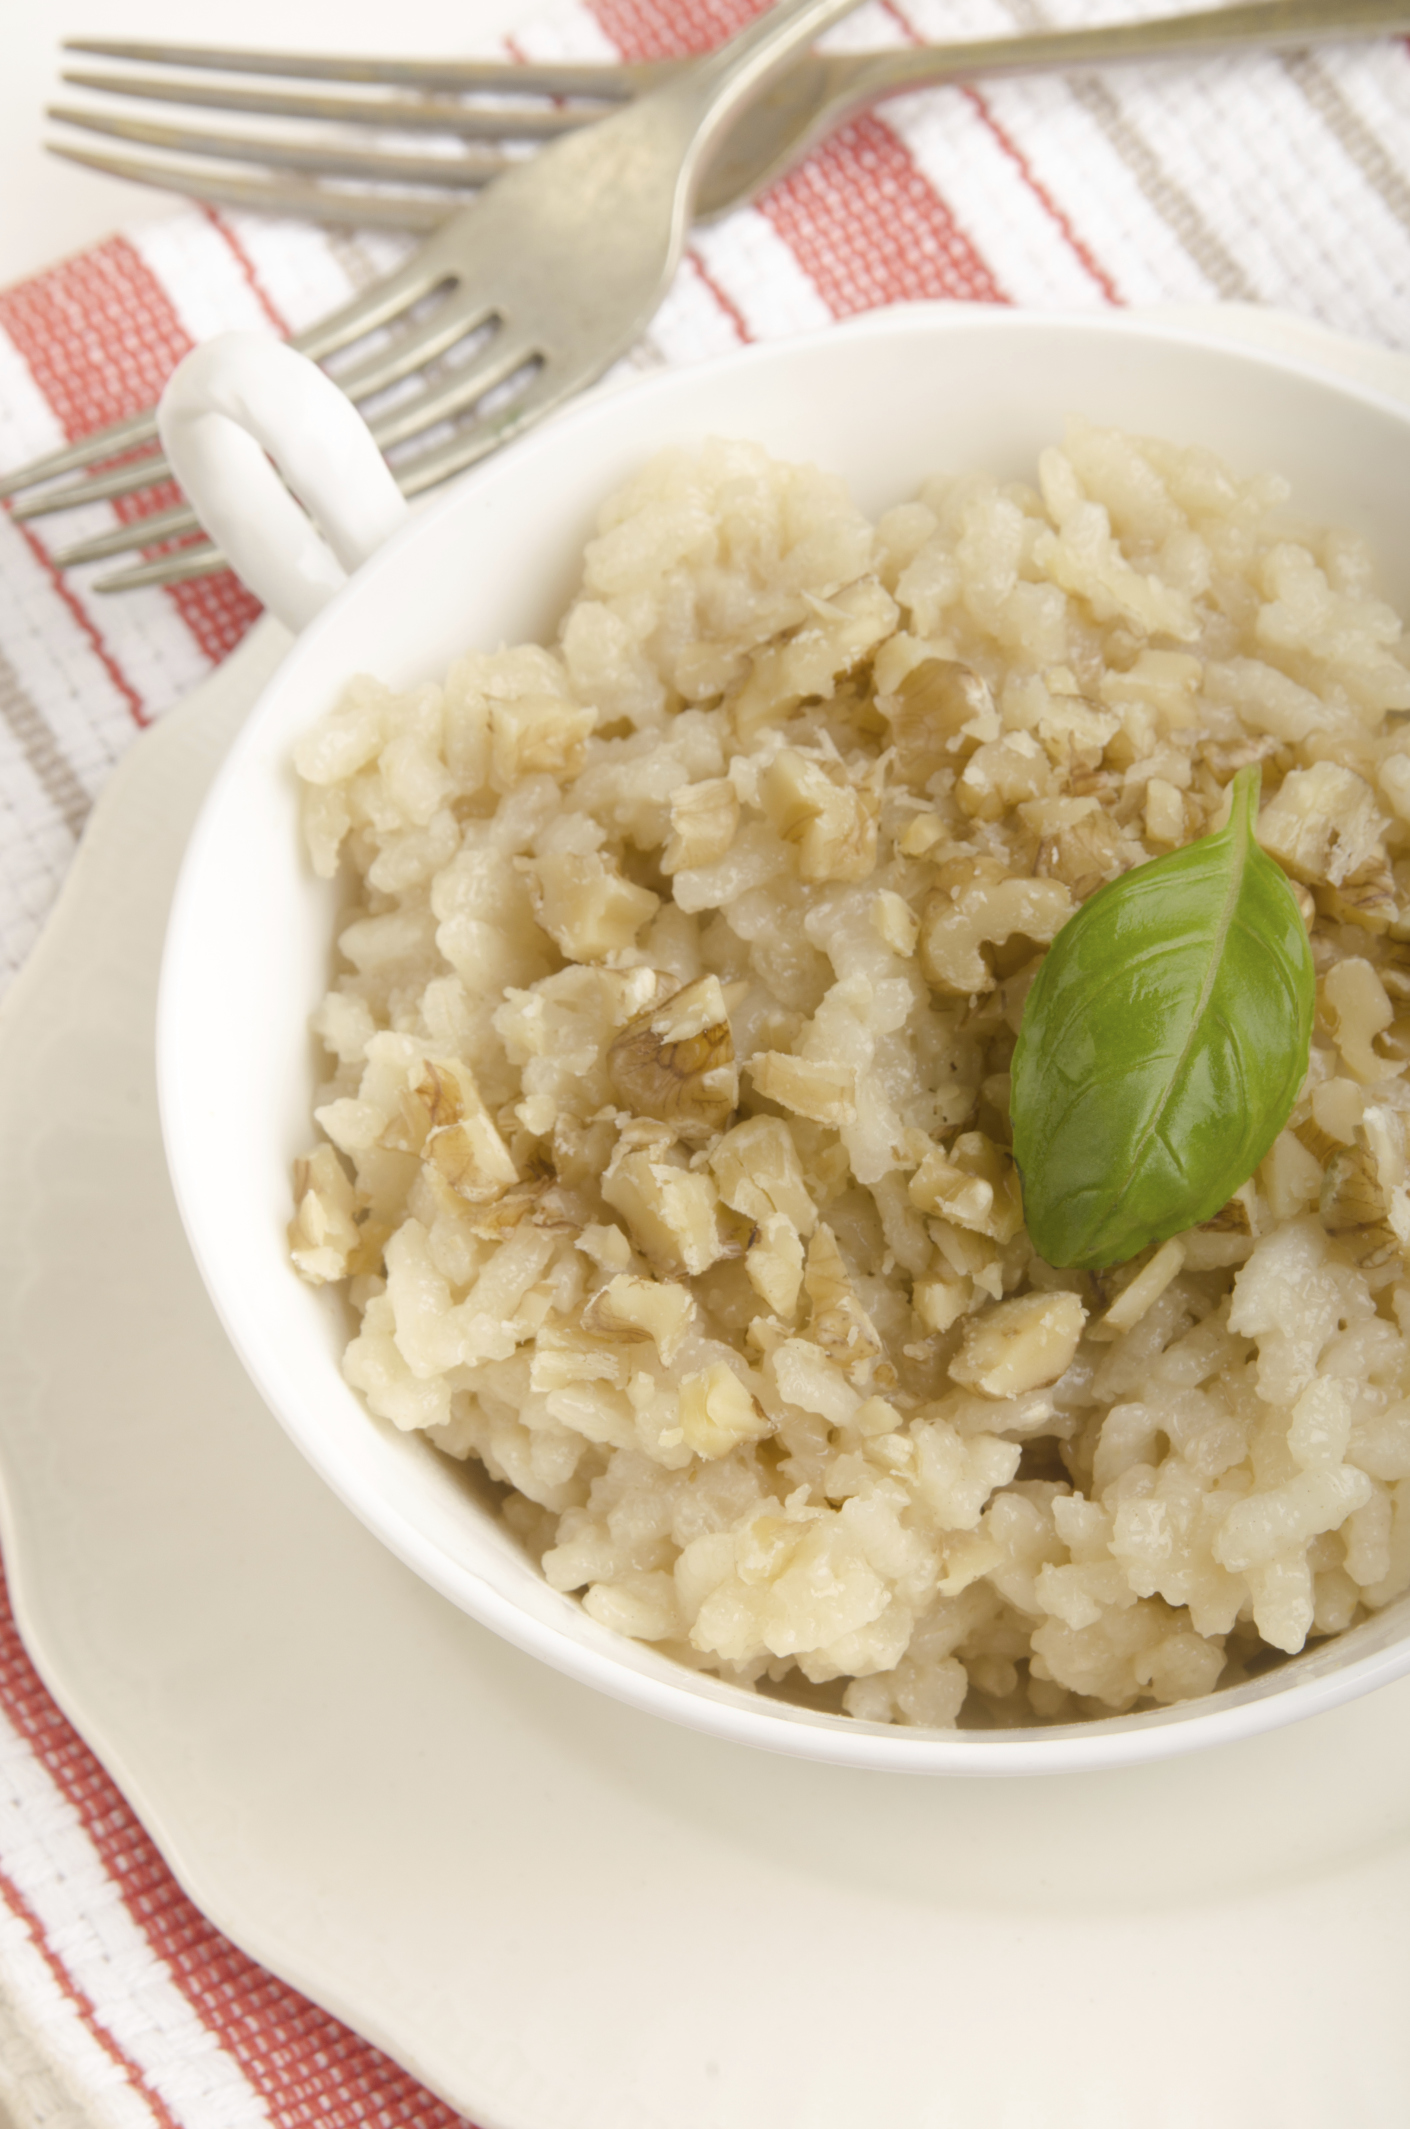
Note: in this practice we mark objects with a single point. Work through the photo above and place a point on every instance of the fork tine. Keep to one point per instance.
(473, 166)
(200, 560)
(103, 443)
(539, 397)
(442, 400)
(312, 203)
(415, 416)
(142, 532)
(532, 77)
(378, 306)
(547, 389)
(130, 479)
(521, 121)
(461, 313)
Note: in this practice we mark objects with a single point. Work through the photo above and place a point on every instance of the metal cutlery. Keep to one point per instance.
(544, 355)
(512, 103)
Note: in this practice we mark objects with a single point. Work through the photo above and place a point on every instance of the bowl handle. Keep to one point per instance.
(240, 396)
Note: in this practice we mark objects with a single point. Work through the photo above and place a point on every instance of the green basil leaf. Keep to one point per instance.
(1163, 1045)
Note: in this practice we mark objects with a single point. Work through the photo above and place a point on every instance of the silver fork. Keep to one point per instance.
(527, 295)
(816, 92)
(776, 127)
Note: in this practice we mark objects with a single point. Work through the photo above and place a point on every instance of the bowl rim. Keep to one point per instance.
(700, 1700)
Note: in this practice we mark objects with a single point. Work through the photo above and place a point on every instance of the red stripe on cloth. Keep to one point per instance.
(1023, 166)
(98, 333)
(15, 1900)
(1041, 193)
(868, 229)
(672, 29)
(100, 336)
(863, 222)
(306, 2066)
(247, 267)
(217, 610)
(727, 304)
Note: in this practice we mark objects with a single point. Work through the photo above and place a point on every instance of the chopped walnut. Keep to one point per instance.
(896, 922)
(1164, 812)
(1324, 827)
(1383, 1131)
(1141, 1293)
(1005, 772)
(1087, 853)
(585, 905)
(839, 1323)
(975, 1184)
(1354, 1000)
(537, 735)
(704, 817)
(669, 1211)
(838, 634)
(1351, 1194)
(920, 836)
(939, 712)
(633, 1310)
(774, 1263)
(824, 1093)
(940, 1303)
(323, 1235)
(461, 1142)
(977, 903)
(829, 817)
(758, 1172)
(718, 1412)
(676, 1062)
(1020, 1344)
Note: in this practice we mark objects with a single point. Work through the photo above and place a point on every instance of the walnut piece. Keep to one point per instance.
(939, 713)
(839, 1323)
(975, 1184)
(1354, 1000)
(1324, 827)
(585, 905)
(828, 817)
(704, 817)
(676, 1062)
(1088, 852)
(824, 1093)
(632, 1310)
(975, 903)
(323, 1234)
(461, 1142)
(1020, 1345)
(757, 1169)
(718, 1411)
(669, 1210)
(837, 635)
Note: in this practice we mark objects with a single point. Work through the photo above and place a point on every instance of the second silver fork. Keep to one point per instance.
(529, 294)
(773, 130)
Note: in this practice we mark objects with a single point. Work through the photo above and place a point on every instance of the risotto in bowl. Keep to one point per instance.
(656, 1045)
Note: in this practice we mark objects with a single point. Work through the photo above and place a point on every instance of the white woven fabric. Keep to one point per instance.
(1270, 181)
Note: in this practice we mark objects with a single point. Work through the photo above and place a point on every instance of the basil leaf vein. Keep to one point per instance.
(1163, 1045)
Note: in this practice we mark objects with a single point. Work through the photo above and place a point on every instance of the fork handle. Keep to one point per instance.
(715, 87)
(821, 89)
(1267, 24)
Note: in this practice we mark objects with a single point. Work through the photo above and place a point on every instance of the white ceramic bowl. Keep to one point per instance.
(492, 560)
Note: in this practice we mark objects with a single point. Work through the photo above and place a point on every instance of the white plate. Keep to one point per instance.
(556, 1911)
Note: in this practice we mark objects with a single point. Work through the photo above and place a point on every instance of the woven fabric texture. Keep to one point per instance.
(1278, 181)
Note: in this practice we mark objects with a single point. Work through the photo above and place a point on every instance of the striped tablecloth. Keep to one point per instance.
(1283, 182)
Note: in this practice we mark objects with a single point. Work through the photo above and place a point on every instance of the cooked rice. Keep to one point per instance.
(667, 1150)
